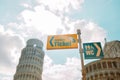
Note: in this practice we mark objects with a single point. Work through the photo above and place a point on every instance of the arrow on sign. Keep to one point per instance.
(51, 40)
(98, 48)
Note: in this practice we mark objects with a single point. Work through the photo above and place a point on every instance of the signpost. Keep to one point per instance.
(67, 41)
(93, 50)
(81, 54)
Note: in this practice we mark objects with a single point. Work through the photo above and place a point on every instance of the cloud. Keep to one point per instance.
(5, 77)
(71, 68)
(9, 50)
(47, 23)
(61, 6)
(90, 31)
(26, 5)
(42, 20)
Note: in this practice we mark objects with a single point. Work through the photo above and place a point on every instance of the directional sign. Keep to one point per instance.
(92, 50)
(62, 41)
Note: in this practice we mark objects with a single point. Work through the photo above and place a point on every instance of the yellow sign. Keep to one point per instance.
(62, 41)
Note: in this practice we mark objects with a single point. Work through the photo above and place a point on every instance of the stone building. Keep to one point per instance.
(112, 49)
(30, 65)
(104, 69)
(107, 68)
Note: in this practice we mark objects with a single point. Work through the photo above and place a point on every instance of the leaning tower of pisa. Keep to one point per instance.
(30, 64)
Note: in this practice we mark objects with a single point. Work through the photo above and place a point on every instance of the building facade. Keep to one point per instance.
(30, 64)
(107, 68)
(104, 69)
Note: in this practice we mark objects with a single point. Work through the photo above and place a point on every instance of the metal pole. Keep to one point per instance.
(81, 54)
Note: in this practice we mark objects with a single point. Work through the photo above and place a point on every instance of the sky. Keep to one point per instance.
(21, 20)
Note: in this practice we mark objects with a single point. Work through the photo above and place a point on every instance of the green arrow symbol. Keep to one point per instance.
(51, 41)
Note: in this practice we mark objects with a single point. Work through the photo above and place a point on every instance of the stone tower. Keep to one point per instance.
(30, 65)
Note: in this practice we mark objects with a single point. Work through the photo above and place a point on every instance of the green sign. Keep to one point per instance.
(92, 50)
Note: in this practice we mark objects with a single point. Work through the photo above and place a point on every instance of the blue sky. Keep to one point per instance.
(105, 13)
(21, 20)
(102, 12)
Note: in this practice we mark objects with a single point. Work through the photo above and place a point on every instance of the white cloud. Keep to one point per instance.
(61, 6)
(42, 20)
(90, 31)
(4, 77)
(26, 5)
(11, 45)
(71, 68)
